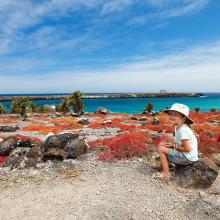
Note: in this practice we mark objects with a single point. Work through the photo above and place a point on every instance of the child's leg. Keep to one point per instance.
(163, 151)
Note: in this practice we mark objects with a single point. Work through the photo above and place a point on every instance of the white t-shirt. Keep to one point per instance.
(184, 132)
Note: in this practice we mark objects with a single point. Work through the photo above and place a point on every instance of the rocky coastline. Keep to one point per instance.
(97, 96)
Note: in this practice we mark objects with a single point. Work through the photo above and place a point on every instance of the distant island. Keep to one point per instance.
(107, 95)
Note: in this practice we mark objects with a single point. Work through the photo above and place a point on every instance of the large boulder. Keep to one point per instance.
(17, 158)
(75, 148)
(12, 142)
(23, 157)
(55, 154)
(59, 141)
(200, 174)
(8, 144)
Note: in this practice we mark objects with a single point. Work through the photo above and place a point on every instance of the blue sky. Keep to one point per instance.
(109, 46)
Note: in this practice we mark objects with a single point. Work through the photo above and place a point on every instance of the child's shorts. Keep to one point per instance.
(177, 157)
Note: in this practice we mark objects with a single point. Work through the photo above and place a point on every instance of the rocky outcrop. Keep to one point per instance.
(75, 148)
(55, 154)
(200, 174)
(16, 158)
(59, 141)
(60, 147)
(7, 145)
(12, 142)
(27, 153)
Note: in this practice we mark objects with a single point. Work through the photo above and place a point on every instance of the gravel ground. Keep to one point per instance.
(98, 190)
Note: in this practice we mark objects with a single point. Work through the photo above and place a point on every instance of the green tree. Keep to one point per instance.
(44, 109)
(22, 105)
(197, 109)
(75, 101)
(59, 107)
(2, 109)
(149, 107)
(64, 106)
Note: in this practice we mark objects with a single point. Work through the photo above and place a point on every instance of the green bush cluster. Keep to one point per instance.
(23, 105)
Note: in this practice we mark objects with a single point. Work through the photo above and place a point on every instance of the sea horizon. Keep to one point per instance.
(93, 93)
(136, 105)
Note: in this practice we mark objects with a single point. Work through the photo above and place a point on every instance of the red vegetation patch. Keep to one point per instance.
(160, 138)
(203, 117)
(23, 137)
(54, 129)
(208, 135)
(42, 117)
(125, 145)
(218, 139)
(2, 159)
(64, 120)
(159, 128)
(114, 123)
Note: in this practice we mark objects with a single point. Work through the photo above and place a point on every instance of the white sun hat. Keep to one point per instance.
(183, 109)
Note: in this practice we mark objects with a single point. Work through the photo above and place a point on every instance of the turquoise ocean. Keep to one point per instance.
(136, 105)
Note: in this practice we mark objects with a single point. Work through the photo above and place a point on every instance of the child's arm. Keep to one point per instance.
(185, 147)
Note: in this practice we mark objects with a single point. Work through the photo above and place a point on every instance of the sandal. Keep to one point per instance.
(162, 176)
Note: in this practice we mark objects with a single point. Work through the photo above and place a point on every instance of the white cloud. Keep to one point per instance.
(192, 70)
(21, 20)
(166, 9)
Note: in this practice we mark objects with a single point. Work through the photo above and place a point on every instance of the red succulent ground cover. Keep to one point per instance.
(2, 159)
(160, 138)
(54, 129)
(115, 123)
(160, 128)
(208, 135)
(124, 145)
(23, 137)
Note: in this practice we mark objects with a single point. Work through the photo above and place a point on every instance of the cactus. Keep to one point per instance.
(2, 109)
(197, 109)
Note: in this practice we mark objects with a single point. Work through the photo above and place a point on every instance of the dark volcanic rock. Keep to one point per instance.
(35, 152)
(197, 175)
(23, 157)
(17, 158)
(10, 143)
(7, 128)
(27, 143)
(59, 141)
(75, 148)
(55, 154)
(7, 145)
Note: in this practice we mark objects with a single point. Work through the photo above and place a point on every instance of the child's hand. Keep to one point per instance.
(169, 145)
